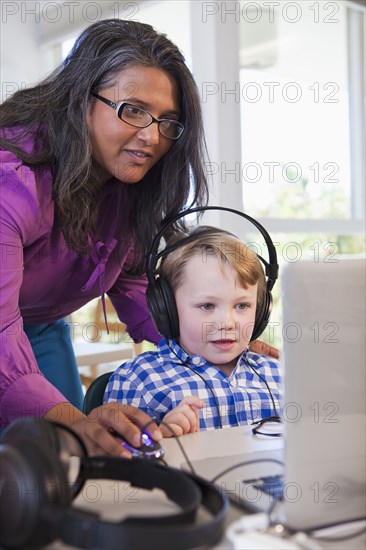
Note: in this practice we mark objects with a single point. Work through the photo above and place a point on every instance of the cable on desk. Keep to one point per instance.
(312, 533)
(246, 463)
(271, 522)
(177, 440)
(309, 533)
(242, 504)
(339, 539)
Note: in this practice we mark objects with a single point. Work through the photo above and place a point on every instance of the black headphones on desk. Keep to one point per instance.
(36, 496)
(159, 294)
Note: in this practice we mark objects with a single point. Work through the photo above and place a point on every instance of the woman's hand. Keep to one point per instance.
(184, 418)
(95, 428)
(265, 349)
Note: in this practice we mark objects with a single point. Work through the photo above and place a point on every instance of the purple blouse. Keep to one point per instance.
(42, 280)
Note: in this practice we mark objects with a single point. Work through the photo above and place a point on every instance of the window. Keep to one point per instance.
(296, 72)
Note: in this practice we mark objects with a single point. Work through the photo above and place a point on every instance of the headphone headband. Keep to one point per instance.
(143, 533)
(159, 294)
(271, 267)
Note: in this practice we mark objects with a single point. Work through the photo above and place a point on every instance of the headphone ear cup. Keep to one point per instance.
(163, 308)
(34, 429)
(32, 480)
(262, 316)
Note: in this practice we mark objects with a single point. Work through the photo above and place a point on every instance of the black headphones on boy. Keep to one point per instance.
(36, 496)
(159, 294)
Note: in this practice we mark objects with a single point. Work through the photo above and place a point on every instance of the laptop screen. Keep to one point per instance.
(324, 401)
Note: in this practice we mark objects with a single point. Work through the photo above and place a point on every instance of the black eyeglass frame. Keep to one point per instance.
(118, 107)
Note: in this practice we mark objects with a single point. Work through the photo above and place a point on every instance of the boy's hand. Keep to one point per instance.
(265, 349)
(184, 418)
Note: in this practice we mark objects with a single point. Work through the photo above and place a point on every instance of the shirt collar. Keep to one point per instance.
(175, 351)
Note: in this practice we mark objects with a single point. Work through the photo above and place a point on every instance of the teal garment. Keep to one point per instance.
(51, 344)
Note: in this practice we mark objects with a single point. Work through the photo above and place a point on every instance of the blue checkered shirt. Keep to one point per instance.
(157, 381)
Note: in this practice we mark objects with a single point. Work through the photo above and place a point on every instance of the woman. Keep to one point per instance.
(93, 158)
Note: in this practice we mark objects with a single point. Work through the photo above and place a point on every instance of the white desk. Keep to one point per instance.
(218, 443)
(115, 500)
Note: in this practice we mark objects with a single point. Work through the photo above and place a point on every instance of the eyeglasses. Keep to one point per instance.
(134, 116)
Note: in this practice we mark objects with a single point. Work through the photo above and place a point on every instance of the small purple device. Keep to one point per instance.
(149, 449)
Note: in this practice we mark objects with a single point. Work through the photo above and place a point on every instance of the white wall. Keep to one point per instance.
(32, 30)
(19, 41)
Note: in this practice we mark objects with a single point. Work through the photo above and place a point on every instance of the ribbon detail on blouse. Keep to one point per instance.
(100, 255)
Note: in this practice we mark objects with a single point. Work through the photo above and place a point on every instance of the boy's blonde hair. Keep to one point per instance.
(213, 242)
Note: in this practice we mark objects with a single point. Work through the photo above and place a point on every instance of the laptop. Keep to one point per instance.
(322, 481)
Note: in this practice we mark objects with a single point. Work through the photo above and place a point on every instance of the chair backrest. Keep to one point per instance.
(94, 394)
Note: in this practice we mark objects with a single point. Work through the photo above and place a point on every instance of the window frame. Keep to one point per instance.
(226, 68)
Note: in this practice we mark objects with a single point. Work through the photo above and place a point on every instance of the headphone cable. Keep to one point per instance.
(185, 364)
(267, 386)
(276, 418)
(162, 422)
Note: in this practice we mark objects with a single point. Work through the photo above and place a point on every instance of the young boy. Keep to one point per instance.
(207, 378)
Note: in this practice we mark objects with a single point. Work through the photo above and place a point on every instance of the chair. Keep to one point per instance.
(94, 394)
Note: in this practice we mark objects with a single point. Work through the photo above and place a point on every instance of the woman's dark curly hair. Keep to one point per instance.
(55, 111)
